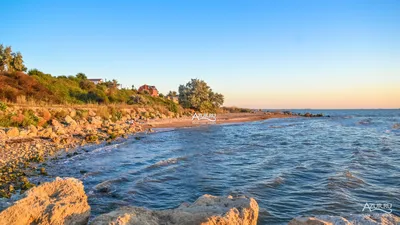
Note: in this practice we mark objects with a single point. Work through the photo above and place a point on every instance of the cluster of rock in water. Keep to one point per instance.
(64, 201)
(23, 149)
(307, 114)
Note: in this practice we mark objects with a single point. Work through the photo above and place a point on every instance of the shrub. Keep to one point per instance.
(82, 114)
(173, 107)
(60, 115)
(29, 118)
(21, 99)
(115, 114)
(3, 106)
(91, 138)
(103, 113)
(5, 120)
(24, 119)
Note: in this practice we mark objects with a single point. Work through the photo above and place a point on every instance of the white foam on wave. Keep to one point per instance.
(167, 162)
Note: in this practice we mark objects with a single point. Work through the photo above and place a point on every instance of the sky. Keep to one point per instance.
(258, 54)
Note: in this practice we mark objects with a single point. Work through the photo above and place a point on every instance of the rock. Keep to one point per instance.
(396, 126)
(2, 133)
(386, 219)
(96, 121)
(62, 201)
(60, 131)
(207, 210)
(70, 121)
(92, 113)
(32, 130)
(12, 132)
(55, 123)
(72, 113)
(23, 133)
(46, 132)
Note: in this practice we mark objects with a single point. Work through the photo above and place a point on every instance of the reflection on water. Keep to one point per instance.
(298, 166)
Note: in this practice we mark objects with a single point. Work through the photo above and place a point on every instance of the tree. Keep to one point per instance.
(87, 84)
(35, 72)
(197, 95)
(172, 94)
(81, 76)
(2, 64)
(17, 62)
(7, 59)
(10, 61)
(115, 83)
(216, 99)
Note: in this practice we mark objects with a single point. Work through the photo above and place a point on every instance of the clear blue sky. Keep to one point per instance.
(266, 54)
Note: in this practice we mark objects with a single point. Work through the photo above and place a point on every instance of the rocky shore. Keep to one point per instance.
(61, 131)
(63, 201)
(22, 150)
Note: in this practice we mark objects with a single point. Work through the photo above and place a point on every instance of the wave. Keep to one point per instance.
(346, 180)
(106, 186)
(167, 162)
(365, 121)
(274, 182)
(283, 126)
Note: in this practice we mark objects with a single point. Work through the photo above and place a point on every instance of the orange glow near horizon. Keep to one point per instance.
(351, 98)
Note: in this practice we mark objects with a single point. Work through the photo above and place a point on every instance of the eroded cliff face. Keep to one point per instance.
(62, 201)
(207, 210)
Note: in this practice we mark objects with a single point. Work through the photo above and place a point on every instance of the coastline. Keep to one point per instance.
(136, 212)
(224, 118)
(24, 150)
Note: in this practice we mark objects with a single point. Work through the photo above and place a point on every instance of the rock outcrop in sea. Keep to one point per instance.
(62, 201)
(206, 210)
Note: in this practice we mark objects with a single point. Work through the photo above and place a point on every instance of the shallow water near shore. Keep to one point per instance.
(294, 166)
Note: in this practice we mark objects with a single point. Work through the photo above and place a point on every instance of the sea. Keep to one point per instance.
(292, 166)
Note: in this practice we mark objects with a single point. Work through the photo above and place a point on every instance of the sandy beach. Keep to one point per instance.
(221, 119)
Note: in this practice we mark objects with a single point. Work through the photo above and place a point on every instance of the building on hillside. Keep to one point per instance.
(96, 81)
(151, 89)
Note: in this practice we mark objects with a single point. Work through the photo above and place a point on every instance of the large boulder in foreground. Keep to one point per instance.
(62, 201)
(373, 219)
(207, 210)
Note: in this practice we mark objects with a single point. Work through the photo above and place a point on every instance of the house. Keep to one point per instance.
(151, 89)
(96, 81)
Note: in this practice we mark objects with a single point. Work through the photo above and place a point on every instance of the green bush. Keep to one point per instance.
(3, 106)
(173, 107)
(81, 114)
(60, 115)
(5, 120)
(29, 119)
